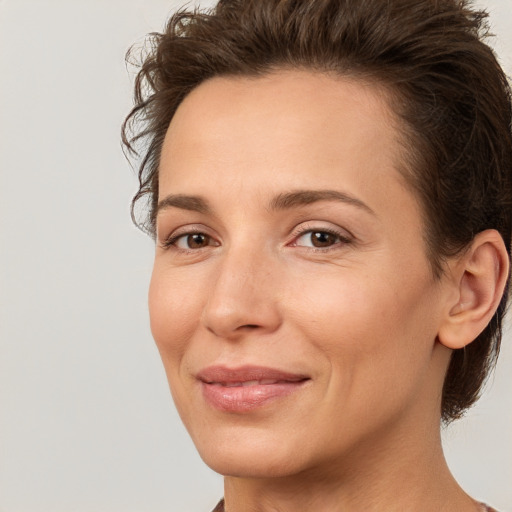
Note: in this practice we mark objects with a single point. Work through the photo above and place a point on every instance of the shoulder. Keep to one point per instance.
(485, 508)
(220, 507)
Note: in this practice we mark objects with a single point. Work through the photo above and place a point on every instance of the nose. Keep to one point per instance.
(243, 297)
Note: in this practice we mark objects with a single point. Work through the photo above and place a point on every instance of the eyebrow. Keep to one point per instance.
(283, 201)
(184, 202)
(304, 197)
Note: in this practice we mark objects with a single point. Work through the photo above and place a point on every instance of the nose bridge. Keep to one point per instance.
(242, 296)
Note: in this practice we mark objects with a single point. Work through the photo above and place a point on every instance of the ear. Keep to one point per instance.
(480, 276)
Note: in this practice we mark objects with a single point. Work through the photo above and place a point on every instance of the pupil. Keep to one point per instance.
(323, 239)
(196, 241)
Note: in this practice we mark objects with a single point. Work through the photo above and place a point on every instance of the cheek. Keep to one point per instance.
(173, 313)
(377, 362)
(174, 310)
(372, 332)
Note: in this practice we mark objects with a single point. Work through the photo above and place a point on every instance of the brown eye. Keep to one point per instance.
(318, 239)
(196, 240)
(190, 241)
(323, 239)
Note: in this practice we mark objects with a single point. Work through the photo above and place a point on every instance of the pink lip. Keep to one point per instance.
(245, 388)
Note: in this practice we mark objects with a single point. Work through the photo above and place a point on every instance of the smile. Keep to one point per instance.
(245, 389)
(262, 382)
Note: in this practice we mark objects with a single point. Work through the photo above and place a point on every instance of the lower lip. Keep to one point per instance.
(247, 398)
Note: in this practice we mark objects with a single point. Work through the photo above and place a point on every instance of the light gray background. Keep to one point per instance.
(86, 421)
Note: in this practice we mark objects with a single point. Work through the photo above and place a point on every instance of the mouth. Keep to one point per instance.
(247, 383)
(244, 389)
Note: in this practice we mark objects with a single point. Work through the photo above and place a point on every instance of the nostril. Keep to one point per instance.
(226, 316)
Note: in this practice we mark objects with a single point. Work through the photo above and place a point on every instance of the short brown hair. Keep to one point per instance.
(446, 86)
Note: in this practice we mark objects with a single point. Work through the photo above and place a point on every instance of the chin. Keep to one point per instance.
(257, 467)
(251, 457)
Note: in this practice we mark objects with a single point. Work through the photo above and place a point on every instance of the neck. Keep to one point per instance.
(400, 472)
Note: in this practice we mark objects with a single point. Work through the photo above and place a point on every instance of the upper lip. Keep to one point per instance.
(225, 375)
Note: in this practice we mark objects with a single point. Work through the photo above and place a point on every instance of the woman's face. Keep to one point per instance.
(291, 299)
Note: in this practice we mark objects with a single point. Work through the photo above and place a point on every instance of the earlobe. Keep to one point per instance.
(480, 275)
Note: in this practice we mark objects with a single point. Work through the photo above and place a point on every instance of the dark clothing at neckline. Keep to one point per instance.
(220, 507)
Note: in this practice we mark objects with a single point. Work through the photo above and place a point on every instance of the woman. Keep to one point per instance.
(329, 188)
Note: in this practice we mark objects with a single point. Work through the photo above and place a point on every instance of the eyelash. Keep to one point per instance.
(173, 238)
(343, 239)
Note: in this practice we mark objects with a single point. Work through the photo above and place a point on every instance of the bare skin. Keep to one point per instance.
(287, 239)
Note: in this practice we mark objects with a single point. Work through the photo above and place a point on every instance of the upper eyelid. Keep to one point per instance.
(312, 226)
(328, 231)
(342, 240)
(174, 240)
(171, 238)
(184, 230)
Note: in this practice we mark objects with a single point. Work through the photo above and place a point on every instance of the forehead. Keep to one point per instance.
(286, 130)
(309, 110)
(280, 88)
